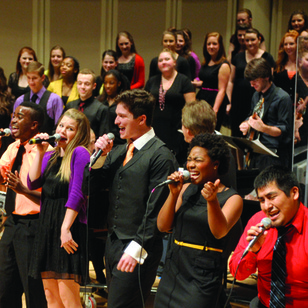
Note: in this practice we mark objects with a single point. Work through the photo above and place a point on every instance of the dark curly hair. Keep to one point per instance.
(216, 147)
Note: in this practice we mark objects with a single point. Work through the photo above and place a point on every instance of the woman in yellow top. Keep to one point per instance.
(66, 87)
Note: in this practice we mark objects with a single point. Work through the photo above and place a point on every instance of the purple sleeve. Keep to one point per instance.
(55, 107)
(38, 183)
(76, 199)
(198, 64)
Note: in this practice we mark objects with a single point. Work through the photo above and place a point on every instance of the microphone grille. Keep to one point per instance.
(57, 137)
(186, 175)
(267, 223)
(110, 136)
(7, 131)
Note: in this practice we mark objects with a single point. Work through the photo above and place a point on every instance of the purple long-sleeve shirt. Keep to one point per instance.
(76, 201)
(54, 107)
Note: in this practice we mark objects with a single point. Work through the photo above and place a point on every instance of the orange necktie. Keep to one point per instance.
(129, 153)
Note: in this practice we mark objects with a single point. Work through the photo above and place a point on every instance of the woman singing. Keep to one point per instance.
(18, 82)
(171, 91)
(66, 87)
(59, 249)
(200, 216)
(130, 63)
(214, 76)
(169, 41)
(286, 64)
(57, 54)
(239, 89)
(114, 84)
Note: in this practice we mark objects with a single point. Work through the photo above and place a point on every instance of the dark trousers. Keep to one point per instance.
(255, 303)
(123, 288)
(15, 256)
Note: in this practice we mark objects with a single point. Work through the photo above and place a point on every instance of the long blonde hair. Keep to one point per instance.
(82, 138)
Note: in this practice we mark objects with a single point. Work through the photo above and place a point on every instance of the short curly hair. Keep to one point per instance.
(217, 149)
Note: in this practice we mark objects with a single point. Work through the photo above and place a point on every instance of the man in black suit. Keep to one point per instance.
(94, 110)
(133, 236)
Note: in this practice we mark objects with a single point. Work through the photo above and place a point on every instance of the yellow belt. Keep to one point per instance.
(197, 246)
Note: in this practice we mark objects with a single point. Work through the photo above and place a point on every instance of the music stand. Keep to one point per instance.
(251, 146)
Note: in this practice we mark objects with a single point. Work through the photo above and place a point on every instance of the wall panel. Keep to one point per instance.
(202, 17)
(75, 25)
(145, 20)
(16, 31)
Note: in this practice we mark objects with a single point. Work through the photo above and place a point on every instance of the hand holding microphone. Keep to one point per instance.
(260, 229)
(103, 145)
(43, 137)
(5, 132)
(49, 139)
(176, 180)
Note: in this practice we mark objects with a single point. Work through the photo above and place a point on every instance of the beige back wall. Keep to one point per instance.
(85, 28)
(16, 31)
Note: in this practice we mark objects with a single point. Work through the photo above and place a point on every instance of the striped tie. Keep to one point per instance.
(279, 273)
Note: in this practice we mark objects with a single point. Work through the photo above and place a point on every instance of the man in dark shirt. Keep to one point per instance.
(271, 116)
(94, 110)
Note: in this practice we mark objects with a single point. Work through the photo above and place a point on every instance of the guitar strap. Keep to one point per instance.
(269, 101)
(261, 109)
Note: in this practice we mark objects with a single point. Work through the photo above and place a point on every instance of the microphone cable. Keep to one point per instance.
(142, 242)
(233, 283)
(87, 274)
(232, 286)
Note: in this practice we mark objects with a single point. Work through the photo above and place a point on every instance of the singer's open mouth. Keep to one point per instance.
(273, 215)
(194, 175)
(14, 129)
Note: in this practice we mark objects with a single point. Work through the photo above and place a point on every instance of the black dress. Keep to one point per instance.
(302, 93)
(192, 278)
(283, 81)
(209, 90)
(167, 120)
(242, 92)
(127, 69)
(48, 259)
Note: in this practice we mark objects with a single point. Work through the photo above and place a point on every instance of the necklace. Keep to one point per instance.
(161, 97)
(163, 90)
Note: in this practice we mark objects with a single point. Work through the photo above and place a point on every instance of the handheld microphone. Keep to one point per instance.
(96, 155)
(51, 139)
(5, 133)
(186, 177)
(266, 225)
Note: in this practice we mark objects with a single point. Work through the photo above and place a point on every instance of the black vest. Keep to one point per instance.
(48, 126)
